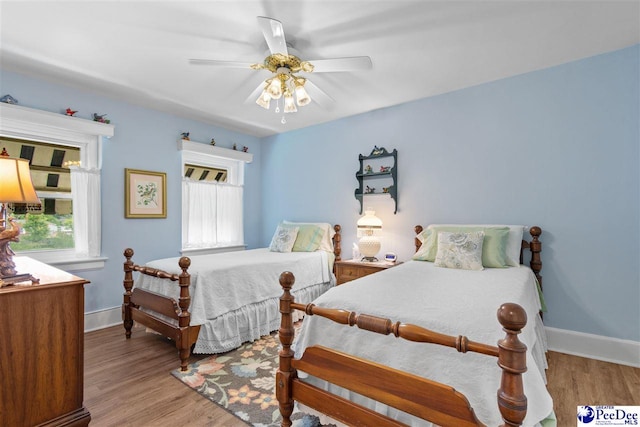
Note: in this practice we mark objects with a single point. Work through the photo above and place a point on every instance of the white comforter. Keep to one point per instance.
(455, 302)
(224, 282)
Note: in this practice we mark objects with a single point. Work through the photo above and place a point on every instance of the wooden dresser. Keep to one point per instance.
(348, 270)
(42, 349)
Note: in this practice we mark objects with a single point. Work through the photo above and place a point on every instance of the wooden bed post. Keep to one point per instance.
(512, 359)
(418, 229)
(128, 284)
(536, 248)
(184, 318)
(285, 373)
(337, 238)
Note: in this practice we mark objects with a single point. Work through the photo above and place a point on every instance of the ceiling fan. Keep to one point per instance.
(285, 67)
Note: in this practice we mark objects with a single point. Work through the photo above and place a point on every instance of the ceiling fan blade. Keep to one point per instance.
(273, 34)
(318, 95)
(217, 63)
(341, 64)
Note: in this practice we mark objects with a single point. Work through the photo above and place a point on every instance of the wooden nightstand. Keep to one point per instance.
(347, 270)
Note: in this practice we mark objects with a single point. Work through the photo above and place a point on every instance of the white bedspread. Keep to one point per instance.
(454, 302)
(224, 282)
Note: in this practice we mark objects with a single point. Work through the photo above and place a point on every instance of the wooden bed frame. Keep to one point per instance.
(423, 398)
(183, 334)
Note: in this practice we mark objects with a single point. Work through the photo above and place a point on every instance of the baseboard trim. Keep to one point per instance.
(101, 319)
(607, 349)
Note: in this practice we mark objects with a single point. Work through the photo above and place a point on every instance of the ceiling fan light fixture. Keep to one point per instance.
(264, 100)
(289, 104)
(275, 88)
(302, 96)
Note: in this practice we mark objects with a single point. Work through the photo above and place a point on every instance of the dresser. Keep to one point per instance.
(42, 349)
(348, 270)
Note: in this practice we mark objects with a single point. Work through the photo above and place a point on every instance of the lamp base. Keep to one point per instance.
(18, 278)
(369, 259)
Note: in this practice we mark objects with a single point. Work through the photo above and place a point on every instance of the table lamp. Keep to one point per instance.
(15, 187)
(369, 228)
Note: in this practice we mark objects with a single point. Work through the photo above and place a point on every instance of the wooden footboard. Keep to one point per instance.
(144, 306)
(423, 398)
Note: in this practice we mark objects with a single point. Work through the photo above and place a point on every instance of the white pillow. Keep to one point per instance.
(283, 239)
(326, 244)
(460, 250)
(514, 239)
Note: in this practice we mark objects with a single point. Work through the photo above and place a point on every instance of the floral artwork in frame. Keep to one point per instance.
(145, 194)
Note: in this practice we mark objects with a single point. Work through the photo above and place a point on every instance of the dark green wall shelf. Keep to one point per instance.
(376, 175)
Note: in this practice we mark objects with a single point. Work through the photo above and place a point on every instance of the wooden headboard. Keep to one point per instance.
(534, 246)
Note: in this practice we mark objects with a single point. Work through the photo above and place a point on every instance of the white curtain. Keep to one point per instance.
(211, 214)
(86, 211)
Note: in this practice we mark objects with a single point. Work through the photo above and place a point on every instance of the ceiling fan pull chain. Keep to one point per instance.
(283, 121)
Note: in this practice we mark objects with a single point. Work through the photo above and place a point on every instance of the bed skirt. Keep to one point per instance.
(250, 322)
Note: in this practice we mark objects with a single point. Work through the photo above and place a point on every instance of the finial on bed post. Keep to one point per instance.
(512, 358)
(418, 229)
(127, 321)
(337, 238)
(184, 318)
(285, 373)
(536, 248)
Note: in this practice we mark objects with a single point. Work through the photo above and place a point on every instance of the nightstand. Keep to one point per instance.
(347, 270)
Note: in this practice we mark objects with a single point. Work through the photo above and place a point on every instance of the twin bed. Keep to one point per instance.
(455, 302)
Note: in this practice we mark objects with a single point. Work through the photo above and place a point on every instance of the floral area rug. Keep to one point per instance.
(243, 382)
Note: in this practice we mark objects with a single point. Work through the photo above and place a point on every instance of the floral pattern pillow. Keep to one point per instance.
(460, 250)
(283, 239)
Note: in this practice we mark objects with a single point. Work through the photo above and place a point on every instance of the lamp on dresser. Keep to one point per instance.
(15, 187)
(369, 228)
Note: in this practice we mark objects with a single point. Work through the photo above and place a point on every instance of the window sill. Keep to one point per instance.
(67, 262)
(205, 251)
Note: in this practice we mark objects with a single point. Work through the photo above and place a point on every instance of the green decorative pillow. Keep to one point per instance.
(309, 237)
(493, 247)
(460, 250)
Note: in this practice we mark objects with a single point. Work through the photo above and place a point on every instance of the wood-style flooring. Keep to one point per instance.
(128, 383)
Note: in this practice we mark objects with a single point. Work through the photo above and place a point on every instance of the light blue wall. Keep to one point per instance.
(558, 148)
(144, 139)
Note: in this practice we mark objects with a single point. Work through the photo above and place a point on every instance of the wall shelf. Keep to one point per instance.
(368, 166)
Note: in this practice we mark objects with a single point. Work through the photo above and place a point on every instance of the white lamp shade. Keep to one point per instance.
(264, 100)
(275, 88)
(302, 96)
(289, 103)
(15, 182)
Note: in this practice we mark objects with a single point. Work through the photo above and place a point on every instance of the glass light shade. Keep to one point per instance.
(15, 182)
(264, 100)
(275, 88)
(289, 104)
(369, 228)
(302, 96)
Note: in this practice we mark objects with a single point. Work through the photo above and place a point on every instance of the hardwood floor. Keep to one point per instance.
(149, 395)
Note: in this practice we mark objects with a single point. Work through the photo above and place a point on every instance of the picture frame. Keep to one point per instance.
(145, 194)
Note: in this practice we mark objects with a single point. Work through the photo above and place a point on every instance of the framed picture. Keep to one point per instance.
(145, 194)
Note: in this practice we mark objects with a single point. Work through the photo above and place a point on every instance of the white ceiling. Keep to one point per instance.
(139, 51)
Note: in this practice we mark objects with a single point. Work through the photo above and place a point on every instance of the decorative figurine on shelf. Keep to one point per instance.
(213, 141)
(369, 190)
(8, 99)
(368, 169)
(385, 189)
(235, 147)
(385, 168)
(185, 136)
(376, 150)
(70, 112)
(245, 149)
(100, 118)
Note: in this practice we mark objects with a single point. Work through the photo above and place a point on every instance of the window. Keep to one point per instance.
(64, 154)
(212, 197)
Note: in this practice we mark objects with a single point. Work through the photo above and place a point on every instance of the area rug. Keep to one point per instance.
(243, 382)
